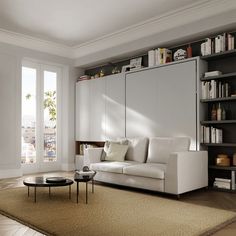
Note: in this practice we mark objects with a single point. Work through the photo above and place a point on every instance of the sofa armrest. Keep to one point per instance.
(186, 171)
(92, 155)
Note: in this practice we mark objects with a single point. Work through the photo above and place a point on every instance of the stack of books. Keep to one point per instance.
(211, 135)
(215, 89)
(222, 183)
(159, 56)
(220, 43)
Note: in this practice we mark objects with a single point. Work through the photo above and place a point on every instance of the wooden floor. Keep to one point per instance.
(221, 200)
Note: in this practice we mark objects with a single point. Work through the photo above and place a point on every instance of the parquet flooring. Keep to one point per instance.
(221, 200)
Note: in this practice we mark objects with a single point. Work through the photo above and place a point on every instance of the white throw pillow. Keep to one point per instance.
(160, 148)
(107, 145)
(137, 150)
(116, 152)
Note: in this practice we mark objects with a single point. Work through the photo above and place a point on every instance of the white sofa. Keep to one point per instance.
(159, 164)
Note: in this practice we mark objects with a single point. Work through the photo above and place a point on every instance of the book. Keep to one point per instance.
(80, 172)
(223, 180)
(212, 73)
(151, 58)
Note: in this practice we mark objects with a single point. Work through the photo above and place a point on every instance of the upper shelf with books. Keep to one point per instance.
(220, 77)
(219, 55)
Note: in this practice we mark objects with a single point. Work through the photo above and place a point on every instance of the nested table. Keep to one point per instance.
(84, 178)
(41, 182)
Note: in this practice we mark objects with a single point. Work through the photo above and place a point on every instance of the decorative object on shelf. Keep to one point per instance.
(219, 112)
(125, 68)
(189, 51)
(136, 63)
(234, 159)
(115, 70)
(102, 73)
(213, 112)
(180, 54)
(222, 160)
(96, 76)
(84, 77)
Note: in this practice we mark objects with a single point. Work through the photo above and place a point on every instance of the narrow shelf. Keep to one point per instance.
(222, 190)
(219, 99)
(219, 55)
(212, 122)
(222, 167)
(219, 144)
(219, 77)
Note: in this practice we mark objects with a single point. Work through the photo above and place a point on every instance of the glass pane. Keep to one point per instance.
(50, 116)
(28, 121)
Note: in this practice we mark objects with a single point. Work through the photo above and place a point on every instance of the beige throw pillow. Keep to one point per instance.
(116, 152)
(107, 145)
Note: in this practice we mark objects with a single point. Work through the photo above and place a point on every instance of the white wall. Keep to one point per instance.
(10, 106)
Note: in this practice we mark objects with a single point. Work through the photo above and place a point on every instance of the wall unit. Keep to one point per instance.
(157, 101)
(224, 62)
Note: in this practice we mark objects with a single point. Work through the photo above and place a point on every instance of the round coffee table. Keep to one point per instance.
(42, 182)
(84, 178)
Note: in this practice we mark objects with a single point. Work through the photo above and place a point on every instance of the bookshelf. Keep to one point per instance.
(224, 62)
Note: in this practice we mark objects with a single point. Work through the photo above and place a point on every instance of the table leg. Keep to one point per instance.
(28, 191)
(35, 194)
(77, 191)
(69, 191)
(49, 191)
(92, 185)
(232, 179)
(86, 192)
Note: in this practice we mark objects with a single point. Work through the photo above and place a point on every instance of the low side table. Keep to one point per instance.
(84, 178)
(42, 182)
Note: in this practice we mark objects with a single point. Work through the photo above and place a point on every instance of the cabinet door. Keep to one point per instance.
(162, 102)
(82, 110)
(97, 109)
(115, 106)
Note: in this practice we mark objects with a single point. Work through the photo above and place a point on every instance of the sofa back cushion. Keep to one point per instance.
(137, 150)
(160, 148)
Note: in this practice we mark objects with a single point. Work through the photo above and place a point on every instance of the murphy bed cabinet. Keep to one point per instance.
(156, 101)
(224, 62)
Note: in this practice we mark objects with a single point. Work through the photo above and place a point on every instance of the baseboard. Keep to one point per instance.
(10, 173)
(68, 167)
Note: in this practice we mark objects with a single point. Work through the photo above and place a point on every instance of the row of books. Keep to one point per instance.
(159, 56)
(215, 89)
(222, 183)
(211, 135)
(218, 44)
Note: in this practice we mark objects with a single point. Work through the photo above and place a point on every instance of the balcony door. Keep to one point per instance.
(40, 126)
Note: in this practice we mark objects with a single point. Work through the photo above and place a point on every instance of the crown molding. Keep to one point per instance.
(157, 25)
(37, 44)
(146, 34)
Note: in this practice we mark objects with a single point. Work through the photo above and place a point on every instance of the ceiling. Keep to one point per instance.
(76, 22)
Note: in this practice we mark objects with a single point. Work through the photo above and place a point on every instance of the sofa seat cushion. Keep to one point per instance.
(160, 148)
(111, 166)
(150, 170)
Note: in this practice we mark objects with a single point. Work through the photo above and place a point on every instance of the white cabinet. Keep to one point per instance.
(115, 106)
(82, 110)
(162, 101)
(97, 109)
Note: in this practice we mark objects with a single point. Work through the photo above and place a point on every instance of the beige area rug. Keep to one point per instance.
(110, 212)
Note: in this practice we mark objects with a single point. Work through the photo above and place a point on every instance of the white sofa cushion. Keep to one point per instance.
(150, 170)
(137, 150)
(108, 166)
(160, 148)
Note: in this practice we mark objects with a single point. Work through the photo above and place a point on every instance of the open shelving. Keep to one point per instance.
(224, 62)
